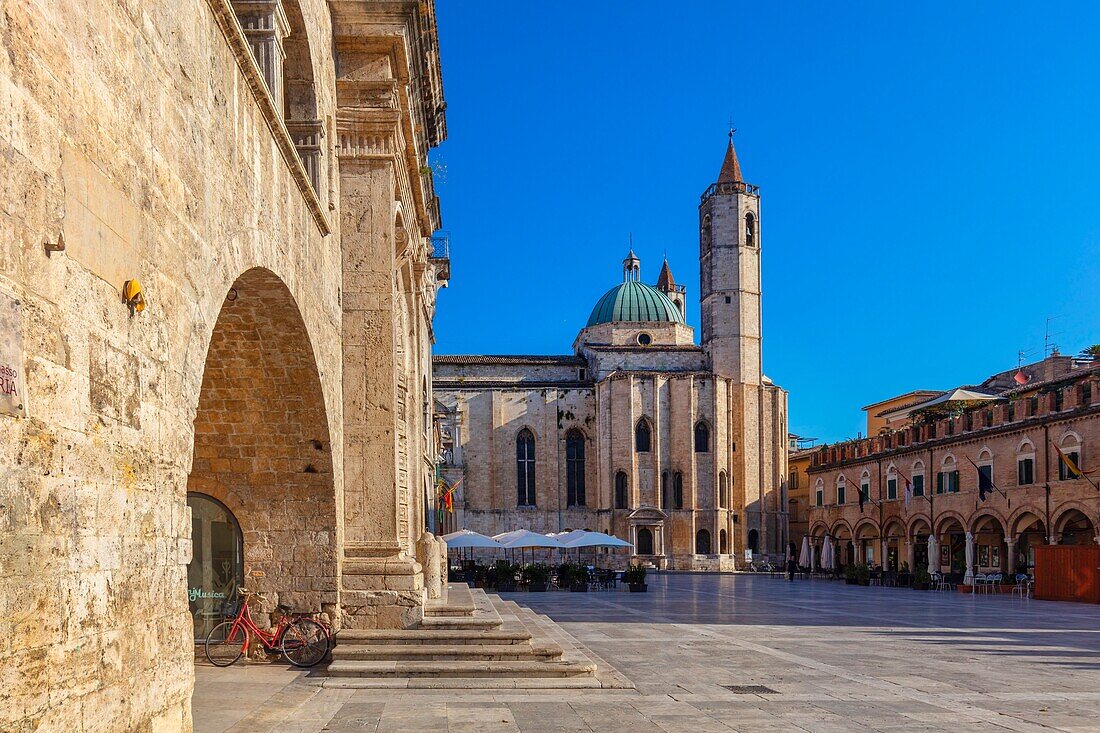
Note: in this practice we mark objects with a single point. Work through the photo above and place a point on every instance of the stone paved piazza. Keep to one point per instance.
(839, 658)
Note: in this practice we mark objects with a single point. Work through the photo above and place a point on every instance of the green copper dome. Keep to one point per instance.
(634, 301)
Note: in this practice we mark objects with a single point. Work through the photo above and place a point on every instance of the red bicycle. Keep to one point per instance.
(303, 641)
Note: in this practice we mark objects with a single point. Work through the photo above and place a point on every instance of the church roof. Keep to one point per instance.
(634, 301)
(731, 169)
(664, 280)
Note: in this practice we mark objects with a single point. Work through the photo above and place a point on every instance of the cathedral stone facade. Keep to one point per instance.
(217, 280)
(679, 447)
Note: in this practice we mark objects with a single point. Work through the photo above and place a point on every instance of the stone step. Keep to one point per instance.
(474, 669)
(441, 652)
(466, 683)
(456, 601)
(466, 623)
(432, 636)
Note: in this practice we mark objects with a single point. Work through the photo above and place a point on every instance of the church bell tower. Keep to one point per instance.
(729, 261)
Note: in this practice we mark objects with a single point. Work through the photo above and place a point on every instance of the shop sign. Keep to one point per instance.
(13, 396)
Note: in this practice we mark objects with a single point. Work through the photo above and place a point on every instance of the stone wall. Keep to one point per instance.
(147, 137)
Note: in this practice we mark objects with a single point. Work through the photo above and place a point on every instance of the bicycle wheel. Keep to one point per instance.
(304, 643)
(224, 646)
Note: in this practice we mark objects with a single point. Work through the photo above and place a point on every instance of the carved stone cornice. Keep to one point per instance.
(242, 52)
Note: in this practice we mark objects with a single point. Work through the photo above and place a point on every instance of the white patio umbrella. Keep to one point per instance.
(804, 559)
(592, 539)
(933, 555)
(828, 559)
(523, 538)
(468, 538)
(519, 538)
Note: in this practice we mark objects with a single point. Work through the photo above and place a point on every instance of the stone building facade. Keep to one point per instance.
(1028, 495)
(258, 168)
(679, 448)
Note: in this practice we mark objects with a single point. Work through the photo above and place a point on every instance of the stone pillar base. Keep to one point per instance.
(382, 593)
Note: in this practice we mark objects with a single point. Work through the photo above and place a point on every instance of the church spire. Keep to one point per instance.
(731, 169)
(665, 282)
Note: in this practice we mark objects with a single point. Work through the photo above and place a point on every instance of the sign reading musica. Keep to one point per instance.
(12, 386)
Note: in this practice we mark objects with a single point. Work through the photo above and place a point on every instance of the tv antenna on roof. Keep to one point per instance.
(1050, 348)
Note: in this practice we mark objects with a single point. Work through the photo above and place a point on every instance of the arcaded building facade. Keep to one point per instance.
(217, 283)
(985, 469)
(678, 447)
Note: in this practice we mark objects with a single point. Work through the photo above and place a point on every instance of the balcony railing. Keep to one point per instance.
(728, 187)
(441, 255)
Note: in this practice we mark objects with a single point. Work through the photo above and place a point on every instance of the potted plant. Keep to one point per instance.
(850, 577)
(921, 579)
(537, 577)
(505, 576)
(634, 577)
(578, 577)
(565, 575)
(863, 574)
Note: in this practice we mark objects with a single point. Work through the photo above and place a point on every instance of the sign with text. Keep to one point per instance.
(12, 384)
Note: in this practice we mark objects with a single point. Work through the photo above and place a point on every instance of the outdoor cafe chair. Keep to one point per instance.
(1023, 585)
(979, 583)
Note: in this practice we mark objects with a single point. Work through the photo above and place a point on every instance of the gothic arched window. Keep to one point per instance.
(723, 490)
(620, 490)
(525, 468)
(750, 230)
(642, 436)
(574, 468)
(677, 490)
(702, 437)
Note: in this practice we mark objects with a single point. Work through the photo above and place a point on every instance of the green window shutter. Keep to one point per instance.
(955, 481)
(939, 482)
(892, 488)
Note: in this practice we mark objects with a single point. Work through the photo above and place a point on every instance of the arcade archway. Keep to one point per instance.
(262, 445)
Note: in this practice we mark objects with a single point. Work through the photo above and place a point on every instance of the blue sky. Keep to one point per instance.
(930, 178)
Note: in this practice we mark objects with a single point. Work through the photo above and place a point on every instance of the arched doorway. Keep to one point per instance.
(216, 569)
(952, 542)
(723, 544)
(702, 542)
(754, 541)
(1074, 528)
(262, 445)
(1030, 532)
(989, 539)
(645, 541)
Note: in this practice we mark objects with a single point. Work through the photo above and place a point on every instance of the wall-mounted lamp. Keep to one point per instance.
(58, 246)
(133, 296)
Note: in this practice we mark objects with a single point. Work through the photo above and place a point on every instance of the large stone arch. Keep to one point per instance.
(980, 520)
(263, 447)
(865, 523)
(945, 518)
(917, 522)
(1028, 510)
(1070, 511)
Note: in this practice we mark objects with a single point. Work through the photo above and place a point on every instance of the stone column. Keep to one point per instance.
(968, 578)
(444, 562)
(813, 556)
(1010, 555)
(427, 554)
(883, 545)
(911, 554)
(382, 584)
